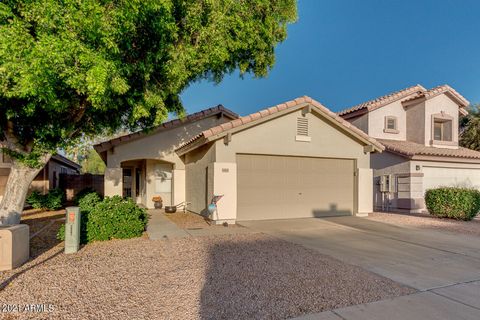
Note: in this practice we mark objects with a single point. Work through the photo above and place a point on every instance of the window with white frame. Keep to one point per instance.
(391, 125)
(442, 129)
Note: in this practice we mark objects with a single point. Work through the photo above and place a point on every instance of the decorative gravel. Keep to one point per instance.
(429, 222)
(243, 276)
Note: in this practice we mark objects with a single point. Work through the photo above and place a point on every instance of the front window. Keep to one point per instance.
(442, 130)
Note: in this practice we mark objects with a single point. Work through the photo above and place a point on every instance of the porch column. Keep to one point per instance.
(224, 178)
(178, 185)
(364, 192)
(113, 182)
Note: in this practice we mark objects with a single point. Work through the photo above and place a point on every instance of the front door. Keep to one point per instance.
(127, 182)
(138, 185)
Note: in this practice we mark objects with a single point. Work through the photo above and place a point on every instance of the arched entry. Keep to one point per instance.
(143, 179)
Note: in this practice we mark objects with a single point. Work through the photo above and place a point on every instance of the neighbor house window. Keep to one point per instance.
(391, 124)
(442, 129)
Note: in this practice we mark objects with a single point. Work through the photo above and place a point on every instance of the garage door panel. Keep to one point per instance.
(435, 177)
(293, 187)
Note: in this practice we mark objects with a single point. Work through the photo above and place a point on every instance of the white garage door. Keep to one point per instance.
(280, 187)
(435, 177)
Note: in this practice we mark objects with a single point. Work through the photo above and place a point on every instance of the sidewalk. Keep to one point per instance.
(160, 228)
(461, 301)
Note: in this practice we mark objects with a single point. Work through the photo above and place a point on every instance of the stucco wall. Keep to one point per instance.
(416, 123)
(224, 178)
(198, 188)
(277, 137)
(376, 121)
(436, 105)
(360, 122)
(161, 145)
(156, 146)
(382, 164)
(158, 170)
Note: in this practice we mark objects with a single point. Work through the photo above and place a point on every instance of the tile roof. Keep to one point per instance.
(66, 161)
(223, 128)
(411, 149)
(383, 100)
(439, 90)
(105, 145)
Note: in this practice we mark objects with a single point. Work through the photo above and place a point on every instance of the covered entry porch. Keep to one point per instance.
(143, 179)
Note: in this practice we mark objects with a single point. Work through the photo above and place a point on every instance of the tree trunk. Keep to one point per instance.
(16, 190)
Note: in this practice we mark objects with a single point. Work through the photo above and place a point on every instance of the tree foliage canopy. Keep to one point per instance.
(76, 67)
(470, 129)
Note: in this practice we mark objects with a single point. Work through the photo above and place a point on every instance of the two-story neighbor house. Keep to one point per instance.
(419, 130)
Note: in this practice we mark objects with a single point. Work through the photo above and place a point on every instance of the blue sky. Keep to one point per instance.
(344, 52)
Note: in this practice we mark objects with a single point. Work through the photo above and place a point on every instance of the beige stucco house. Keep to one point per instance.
(419, 130)
(296, 159)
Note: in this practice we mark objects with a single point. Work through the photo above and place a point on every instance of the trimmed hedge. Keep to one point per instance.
(53, 200)
(112, 218)
(453, 202)
(82, 193)
(116, 218)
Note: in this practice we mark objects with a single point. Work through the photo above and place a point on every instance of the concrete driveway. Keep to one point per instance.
(444, 267)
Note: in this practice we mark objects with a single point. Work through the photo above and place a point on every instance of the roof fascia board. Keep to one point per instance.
(445, 159)
(103, 146)
(258, 121)
(354, 114)
(336, 123)
(191, 146)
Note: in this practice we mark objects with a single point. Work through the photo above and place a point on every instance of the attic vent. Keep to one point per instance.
(302, 127)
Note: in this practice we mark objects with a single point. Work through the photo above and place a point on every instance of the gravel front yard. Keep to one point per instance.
(429, 222)
(246, 276)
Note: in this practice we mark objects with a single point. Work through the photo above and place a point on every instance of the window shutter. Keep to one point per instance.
(302, 126)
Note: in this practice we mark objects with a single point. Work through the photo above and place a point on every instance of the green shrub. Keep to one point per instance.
(86, 203)
(53, 200)
(36, 200)
(453, 202)
(82, 193)
(112, 218)
(116, 218)
(61, 233)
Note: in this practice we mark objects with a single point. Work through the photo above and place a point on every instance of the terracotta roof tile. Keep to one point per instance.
(383, 100)
(439, 90)
(105, 145)
(280, 107)
(410, 149)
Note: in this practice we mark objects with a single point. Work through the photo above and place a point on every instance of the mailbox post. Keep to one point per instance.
(72, 229)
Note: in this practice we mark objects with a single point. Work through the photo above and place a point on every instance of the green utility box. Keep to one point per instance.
(72, 229)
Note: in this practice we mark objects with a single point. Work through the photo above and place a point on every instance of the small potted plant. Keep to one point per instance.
(157, 202)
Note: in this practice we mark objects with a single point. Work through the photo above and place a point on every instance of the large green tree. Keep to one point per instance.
(470, 129)
(92, 163)
(82, 67)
